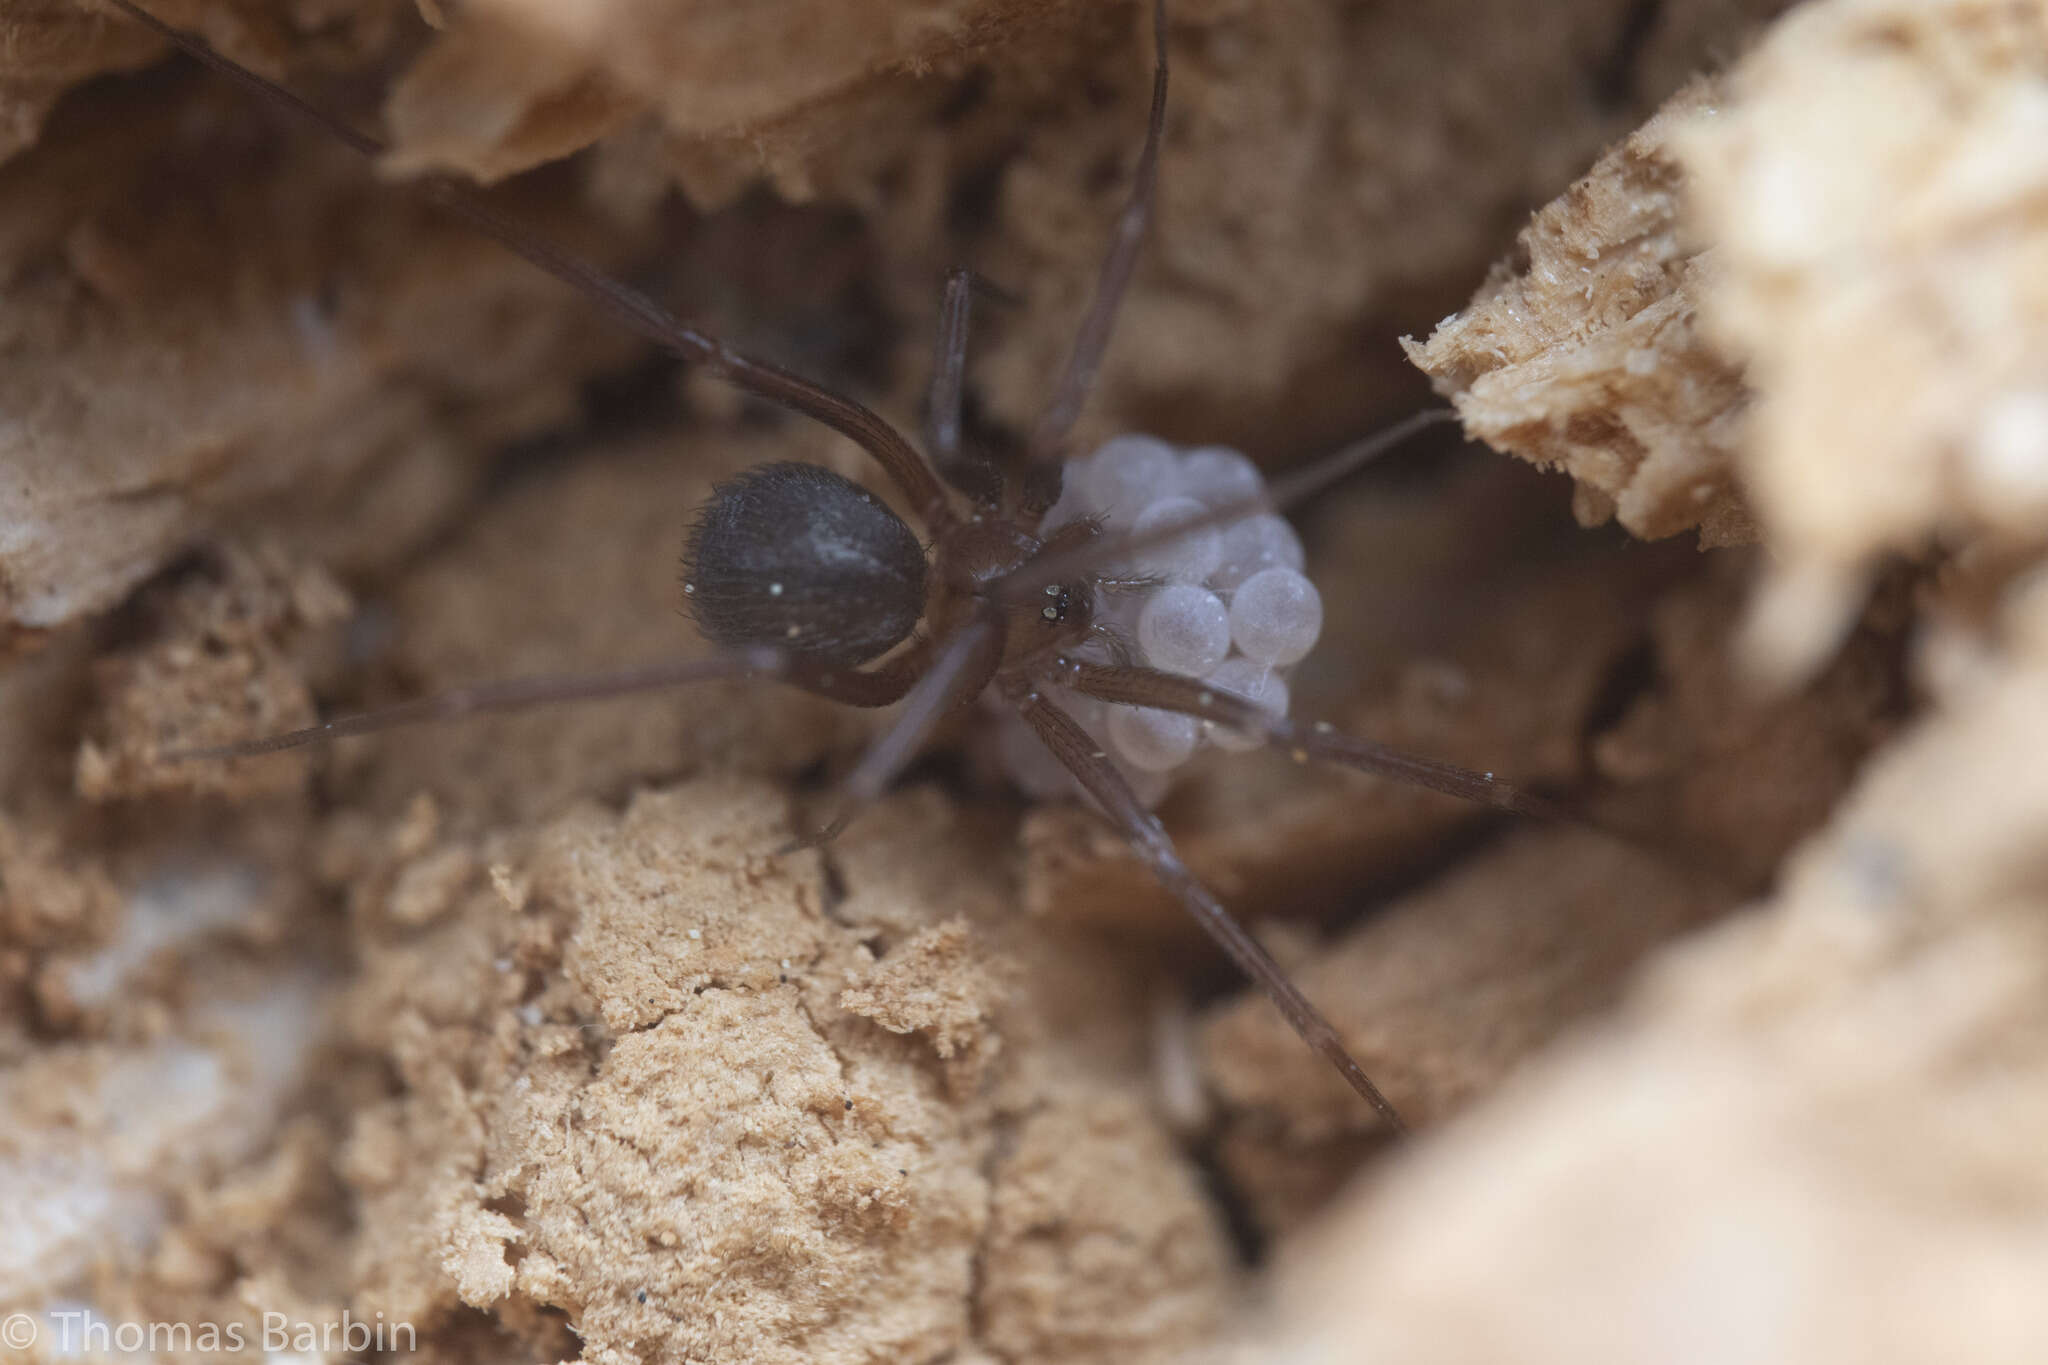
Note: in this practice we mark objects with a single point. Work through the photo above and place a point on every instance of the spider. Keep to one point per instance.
(804, 578)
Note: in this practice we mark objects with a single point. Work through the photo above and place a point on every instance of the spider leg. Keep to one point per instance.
(942, 415)
(854, 687)
(1073, 747)
(1194, 697)
(973, 474)
(957, 672)
(1121, 262)
(510, 694)
(1292, 489)
(1084, 558)
(629, 307)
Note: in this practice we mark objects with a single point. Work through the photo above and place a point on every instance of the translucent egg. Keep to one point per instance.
(1153, 741)
(1187, 558)
(1257, 684)
(1219, 475)
(1130, 473)
(1275, 616)
(1254, 545)
(1184, 629)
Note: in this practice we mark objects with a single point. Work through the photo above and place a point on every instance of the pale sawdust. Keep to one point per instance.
(934, 984)
(1698, 331)
(1876, 186)
(1839, 1090)
(631, 1098)
(549, 1099)
(220, 665)
(1588, 355)
(1843, 1087)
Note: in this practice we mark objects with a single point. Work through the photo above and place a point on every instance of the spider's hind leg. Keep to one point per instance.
(1078, 753)
(959, 667)
(1126, 686)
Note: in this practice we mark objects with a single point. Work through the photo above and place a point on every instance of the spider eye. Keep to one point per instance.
(1059, 601)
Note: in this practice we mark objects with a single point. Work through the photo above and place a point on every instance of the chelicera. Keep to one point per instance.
(806, 578)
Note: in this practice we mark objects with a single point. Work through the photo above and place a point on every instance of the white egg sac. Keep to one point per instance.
(1228, 604)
